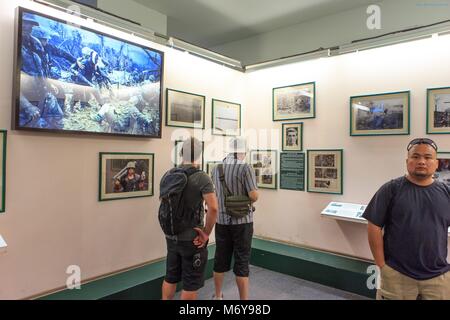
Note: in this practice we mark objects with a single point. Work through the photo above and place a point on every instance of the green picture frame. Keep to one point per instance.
(185, 109)
(210, 166)
(292, 137)
(177, 160)
(226, 118)
(325, 172)
(294, 102)
(3, 141)
(443, 172)
(380, 114)
(114, 168)
(438, 110)
(264, 162)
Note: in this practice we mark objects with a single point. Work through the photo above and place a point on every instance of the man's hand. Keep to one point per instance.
(201, 239)
(33, 112)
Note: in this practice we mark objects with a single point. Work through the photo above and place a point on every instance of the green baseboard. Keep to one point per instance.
(144, 283)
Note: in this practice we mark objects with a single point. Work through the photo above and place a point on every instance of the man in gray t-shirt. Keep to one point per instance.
(187, 254)
(414, 213)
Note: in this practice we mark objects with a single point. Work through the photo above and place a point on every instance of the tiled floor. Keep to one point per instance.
(269, 285)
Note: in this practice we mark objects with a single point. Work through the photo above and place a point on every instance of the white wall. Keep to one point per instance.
(368, 161)
(134, 11)
(334, 30)
(53, 218)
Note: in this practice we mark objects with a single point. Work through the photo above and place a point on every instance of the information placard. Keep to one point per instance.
(292, 171)
(345, 211)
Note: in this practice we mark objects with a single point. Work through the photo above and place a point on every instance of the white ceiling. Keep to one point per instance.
(209, 23)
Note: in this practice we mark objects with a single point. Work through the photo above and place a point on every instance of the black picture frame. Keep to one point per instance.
(188, 114)
(18, 92)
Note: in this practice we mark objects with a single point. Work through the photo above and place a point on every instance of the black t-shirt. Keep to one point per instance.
(415, 221)
(198, 184)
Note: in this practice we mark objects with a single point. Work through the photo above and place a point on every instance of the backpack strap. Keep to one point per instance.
(190, 171)
(226, 191)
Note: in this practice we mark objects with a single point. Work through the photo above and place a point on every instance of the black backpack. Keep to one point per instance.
(174, 216)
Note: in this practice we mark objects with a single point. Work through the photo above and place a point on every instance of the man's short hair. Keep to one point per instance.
(191, 150)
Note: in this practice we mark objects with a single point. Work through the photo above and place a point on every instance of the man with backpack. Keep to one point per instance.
(414, 213)
(181, 215)
(236, 190)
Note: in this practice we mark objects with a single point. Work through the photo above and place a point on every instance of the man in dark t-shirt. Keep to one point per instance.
(414, 213)
(187, 254)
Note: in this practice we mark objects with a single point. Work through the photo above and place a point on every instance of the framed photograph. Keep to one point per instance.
(294, 102)
(210, 166)
(126, 175)
(3, 134)
(72, 79)
(292, 136)
(264, 162)
(184, 109)
(438, 111)
(177, 154)
(380, 114)
(325, 171)
(443, 172)
(226, 118)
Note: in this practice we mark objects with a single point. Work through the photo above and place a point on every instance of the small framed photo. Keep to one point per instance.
(325, 171)
(264, 162)
(443, 172)
(226, 118)
(438, 111)
(3, 134)
(178, 159)
(380, 114)
(126, 175)
(210, 165)
(294, 102)
(184, 109)
(292, 137)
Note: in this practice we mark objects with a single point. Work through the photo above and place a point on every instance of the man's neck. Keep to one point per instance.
(194, 164)
(420, 182)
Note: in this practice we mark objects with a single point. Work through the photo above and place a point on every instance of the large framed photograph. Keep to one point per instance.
(380, 114)
(294, 102)
(264, 162)
(3, 134)
(178, 159)
(184, 109)
(72, 79)
(126, 175)
(443, 172)
(325, 171)
(226, 118)
(292, 137)
(438, 110)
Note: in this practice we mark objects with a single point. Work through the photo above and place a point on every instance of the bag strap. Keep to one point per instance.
(190, 171)
(226, 191)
